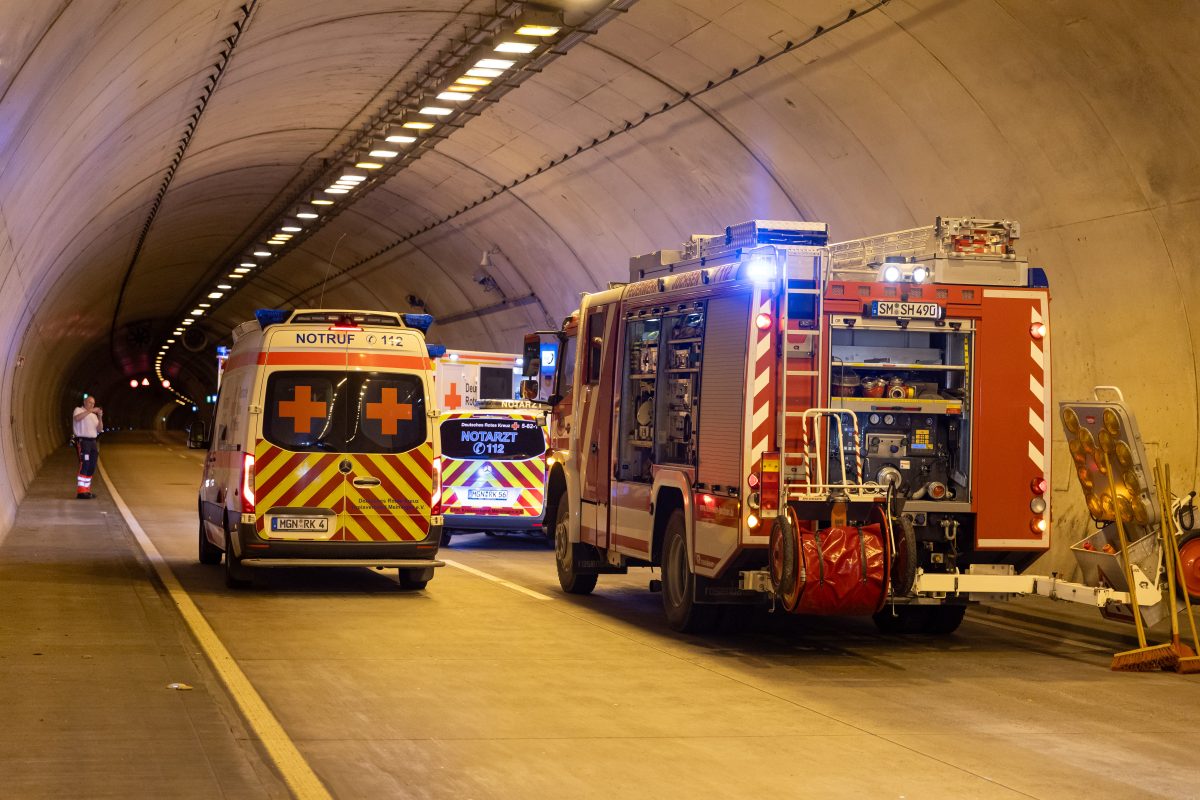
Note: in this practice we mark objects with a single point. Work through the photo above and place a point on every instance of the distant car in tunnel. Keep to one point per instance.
(322, 447)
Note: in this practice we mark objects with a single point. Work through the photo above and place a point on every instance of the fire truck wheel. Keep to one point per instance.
(684, 614)
(235, 573)
(446, 535)
(564, 555)
(904, 561)
(942, 620)
(415, 579)
(1189, 562)
(892, 619)
(782, 556)
(209, 552)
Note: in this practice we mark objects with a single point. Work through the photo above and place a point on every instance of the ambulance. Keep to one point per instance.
(464, 378)
(322, 450)
(493, 468)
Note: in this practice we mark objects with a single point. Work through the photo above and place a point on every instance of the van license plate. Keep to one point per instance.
(487, 494)
(300, 524)
(903, 310)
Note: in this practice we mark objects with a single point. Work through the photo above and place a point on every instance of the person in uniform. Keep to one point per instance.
(88, 421)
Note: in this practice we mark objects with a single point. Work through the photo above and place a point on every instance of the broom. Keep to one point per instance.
(1189, 662)
(1143, 659)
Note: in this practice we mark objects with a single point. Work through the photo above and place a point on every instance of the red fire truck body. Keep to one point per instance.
(762, 412)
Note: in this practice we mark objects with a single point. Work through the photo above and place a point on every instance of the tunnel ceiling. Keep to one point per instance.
(144, 147)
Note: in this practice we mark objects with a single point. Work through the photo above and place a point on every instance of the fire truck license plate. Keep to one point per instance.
(487, 494)
(300, 524)
(897, 308)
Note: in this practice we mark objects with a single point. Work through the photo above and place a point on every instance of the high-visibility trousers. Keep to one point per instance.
(89, 454)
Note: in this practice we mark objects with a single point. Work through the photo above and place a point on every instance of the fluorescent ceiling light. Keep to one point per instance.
(400, 138)
(436, 111)
(418, 126)
(234, 277)
(384, 153)
(369, 164)
(536, 30)
(454, 96)
(241, 271)
(197, 312)
(262, 253)
(204, 305)
(515, 47)
(474, 81)
(476, 72)
(170, 341)
(493, 63)
(337, 190)
(307, 214)
(188, 321)
(224, 286)
(290, 226)
(215, 295)
(321, 201)
(247, 264)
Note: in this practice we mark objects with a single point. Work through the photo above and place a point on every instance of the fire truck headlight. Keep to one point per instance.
(890, 273)
(919, 274)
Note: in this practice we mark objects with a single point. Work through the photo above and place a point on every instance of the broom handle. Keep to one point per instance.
(1137, 613)
(1187, 600)
(1164, 512)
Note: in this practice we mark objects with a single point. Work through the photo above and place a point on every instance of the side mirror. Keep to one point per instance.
(198, 436)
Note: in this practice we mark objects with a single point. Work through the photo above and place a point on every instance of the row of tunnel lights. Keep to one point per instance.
(382, 150)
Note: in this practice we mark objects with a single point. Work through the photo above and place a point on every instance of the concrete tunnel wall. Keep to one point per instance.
(1078, 119)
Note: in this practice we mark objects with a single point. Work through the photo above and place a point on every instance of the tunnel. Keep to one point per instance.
(150, 151)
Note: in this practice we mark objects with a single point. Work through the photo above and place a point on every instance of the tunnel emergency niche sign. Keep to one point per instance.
(498, 438)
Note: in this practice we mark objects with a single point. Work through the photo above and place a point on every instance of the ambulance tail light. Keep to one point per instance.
(247, 483)
(436, 503)
(345, 324)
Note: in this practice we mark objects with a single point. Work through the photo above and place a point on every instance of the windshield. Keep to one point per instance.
(492, 438)
(360, 412)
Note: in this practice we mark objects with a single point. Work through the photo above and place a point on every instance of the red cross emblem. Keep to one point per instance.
(389, 411)
(302, 409)
(453, 398)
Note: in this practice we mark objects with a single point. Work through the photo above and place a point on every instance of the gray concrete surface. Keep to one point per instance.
(472, 690)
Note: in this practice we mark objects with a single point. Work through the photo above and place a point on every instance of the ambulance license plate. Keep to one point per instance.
(904, 310)
(487, 494)
(300, 524)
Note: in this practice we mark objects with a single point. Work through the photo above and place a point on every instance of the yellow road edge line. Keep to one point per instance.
(295, 771)
(516, 587)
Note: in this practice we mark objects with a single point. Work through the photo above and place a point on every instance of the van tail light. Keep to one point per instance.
(247, 483)
(436, 503)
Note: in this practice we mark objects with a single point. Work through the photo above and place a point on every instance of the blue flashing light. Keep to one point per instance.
(223, 350)
(435, 350)
(271, 316)
(1037, 278)
(419, 321)
(194, 408)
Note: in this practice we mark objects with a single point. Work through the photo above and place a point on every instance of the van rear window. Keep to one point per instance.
(357, 412)
(492, 438)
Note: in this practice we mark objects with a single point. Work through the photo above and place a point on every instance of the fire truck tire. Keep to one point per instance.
(571, 581)
(1189, 562)
(904, 560)
(209, 552)
(446, 536)
(782, 550)
(684, 614)
(892, 619)
(415, 579)
(236, 576)
(942, 620)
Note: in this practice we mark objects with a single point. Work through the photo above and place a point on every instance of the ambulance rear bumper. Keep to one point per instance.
(493, 522)
(257, 552)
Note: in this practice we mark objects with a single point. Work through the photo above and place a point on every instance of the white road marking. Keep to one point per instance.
(296, 772)
(487, 576)
(1048, 637)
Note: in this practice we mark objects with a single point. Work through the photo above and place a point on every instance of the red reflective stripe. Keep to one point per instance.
(315, 471)
(336, 358)
(264, 488)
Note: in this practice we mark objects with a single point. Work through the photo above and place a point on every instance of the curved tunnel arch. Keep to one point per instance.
(1079, 122)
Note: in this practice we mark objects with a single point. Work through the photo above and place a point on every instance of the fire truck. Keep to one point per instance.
(858, 427)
